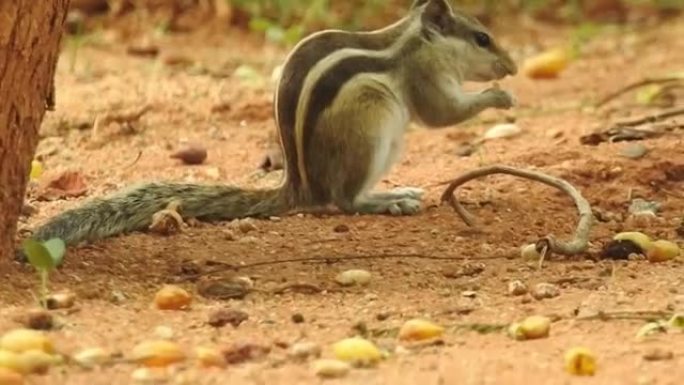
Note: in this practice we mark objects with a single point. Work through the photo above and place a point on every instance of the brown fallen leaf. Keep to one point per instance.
(69, 184)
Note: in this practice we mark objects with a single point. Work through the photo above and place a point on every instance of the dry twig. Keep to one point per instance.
(638, 84)
(644, 315)
(581, 239)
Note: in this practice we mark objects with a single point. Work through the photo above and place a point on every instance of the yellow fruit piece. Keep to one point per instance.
(580, 362)
(157, 353)
(10, 360)
(662, 251)
(419, 329)
(640, 239)
(548, 64)
(21, 340)
(209, 357)
(10, 377)
(534, 327)
(357, 351)
(36, 361)
(36, 170)
(172, 297)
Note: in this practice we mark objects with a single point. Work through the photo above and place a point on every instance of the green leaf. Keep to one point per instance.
(259, 24)
(56, 248)
(37, 254)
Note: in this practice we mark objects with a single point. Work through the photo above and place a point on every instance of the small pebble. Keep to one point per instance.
(353, 277)
(517, 288)
(634, 151)
(502, 131)
(341, 228)
(305, 350)
(92, 357)
(246, 225)
(21, 340)
(163, 332)
(328, 368)
(39, 319)
(192, 155)
(244, 351)
(223, 317)
(150, 375)
(297, 318)
(545, 290)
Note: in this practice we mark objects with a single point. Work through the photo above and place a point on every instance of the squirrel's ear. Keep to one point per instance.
(418, 3)
(436, 14)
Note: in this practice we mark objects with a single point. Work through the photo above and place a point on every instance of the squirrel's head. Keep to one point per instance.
(461, 41)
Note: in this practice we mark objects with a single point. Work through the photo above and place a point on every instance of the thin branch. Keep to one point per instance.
(644, 315)
(635, 85)
(580, 241)
(653, 118)
(230, 267)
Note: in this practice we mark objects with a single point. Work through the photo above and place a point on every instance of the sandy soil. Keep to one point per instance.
(232, 119)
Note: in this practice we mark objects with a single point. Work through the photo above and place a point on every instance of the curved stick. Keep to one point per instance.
(575, 246)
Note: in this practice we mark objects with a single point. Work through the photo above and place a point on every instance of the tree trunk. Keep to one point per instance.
(30, 33)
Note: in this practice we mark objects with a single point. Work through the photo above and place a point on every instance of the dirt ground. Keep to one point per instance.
(232, 119)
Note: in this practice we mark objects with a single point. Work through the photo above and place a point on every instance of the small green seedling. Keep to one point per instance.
(44, 257)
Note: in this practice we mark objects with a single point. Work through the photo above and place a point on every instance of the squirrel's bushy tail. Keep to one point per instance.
(133, 210)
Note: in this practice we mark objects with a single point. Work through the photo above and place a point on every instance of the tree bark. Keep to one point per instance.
(30, 34)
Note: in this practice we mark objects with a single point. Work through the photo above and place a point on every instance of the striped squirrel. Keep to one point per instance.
(342, 104)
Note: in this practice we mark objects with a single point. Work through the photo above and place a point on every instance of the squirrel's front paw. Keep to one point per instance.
(499, 98)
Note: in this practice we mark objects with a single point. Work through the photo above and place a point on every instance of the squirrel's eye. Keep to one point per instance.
(482, 39)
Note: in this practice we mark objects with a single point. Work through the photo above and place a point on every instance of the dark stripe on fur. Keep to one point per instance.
(298, 67)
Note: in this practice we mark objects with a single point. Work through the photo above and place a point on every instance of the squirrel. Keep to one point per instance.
(341, 107)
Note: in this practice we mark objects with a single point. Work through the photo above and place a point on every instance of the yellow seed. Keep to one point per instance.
(10, 377)
(36, 170)
(21, 340)
(677, 321)
(357, 351)
(662, 251)
(548, 64)
(209, 357)
(580, 362)
(328, 368)
(157, 353)
(10, 360)
(36, 361)
(534, 327)
(419, 329)
(515, 331)
(640, 239)
(172, 297)
(92, 357)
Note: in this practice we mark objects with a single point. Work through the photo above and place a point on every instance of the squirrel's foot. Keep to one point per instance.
(375, 204)
(415, 193)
